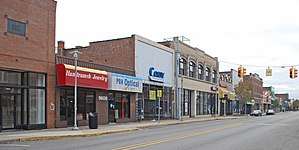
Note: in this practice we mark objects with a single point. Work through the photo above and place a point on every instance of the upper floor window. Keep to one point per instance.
(200, 72)
(214, 76)
(183, 66)
(192, 69)
(16, 27)
(208, 74)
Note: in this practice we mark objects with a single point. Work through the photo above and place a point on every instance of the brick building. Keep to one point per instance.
(127, 58)
(256, 83)
(27, 63)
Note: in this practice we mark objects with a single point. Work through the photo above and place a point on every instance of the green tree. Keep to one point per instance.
(244, 93)
(296, 103)
(276, 103)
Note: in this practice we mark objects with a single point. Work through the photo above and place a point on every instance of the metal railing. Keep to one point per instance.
(91, 65)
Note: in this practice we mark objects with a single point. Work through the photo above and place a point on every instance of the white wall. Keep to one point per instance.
(151, 54)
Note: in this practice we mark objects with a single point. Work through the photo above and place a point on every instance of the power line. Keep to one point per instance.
(261, 66)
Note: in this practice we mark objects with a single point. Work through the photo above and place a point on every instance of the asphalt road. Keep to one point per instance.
(277, 132)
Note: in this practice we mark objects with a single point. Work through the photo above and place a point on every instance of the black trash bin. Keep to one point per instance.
(93, 120)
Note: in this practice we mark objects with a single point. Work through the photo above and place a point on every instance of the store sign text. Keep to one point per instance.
(155, 75)
(119, 82)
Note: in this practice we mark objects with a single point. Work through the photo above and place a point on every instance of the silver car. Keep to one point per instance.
(256, 113)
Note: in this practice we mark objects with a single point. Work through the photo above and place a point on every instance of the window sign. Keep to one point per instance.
(152, 95)
(16, 27)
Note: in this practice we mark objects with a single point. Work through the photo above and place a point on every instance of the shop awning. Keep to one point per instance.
(224, 92)
(86, 77)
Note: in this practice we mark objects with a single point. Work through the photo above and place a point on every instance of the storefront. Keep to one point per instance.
(154, 65)
(205, 103)
(22, 100)
(91, 95)
(227, 101)
(122, 96)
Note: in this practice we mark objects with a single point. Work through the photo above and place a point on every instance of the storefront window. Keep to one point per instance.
(85, 104)
(62, 105)
(126, 105)
(186, 101)
(37, 105)
(81, 106)
(37, 79)
(122, 105)
(90, 105)
(9, 77)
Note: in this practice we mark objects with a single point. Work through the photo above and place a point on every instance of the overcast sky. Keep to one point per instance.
(252, 33)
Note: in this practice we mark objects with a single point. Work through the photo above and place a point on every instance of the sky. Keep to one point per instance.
(256, 34)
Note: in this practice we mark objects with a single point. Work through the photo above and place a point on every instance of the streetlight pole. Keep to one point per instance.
(75, 91)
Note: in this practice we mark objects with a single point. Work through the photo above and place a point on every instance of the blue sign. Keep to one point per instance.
(155, 75)
(127, 83)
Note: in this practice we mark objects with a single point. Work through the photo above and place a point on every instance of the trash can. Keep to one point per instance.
(93, 120)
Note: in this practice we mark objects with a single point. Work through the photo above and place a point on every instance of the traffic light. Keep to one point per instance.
(240, 72)
(291, 73)
(244, 71)
(295, 73)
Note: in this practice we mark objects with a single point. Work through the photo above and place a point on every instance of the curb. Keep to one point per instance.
(38, 138)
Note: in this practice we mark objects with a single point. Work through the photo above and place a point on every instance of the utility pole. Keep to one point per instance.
(176, 39)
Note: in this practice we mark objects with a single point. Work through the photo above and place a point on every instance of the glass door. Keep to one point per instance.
(10, 110)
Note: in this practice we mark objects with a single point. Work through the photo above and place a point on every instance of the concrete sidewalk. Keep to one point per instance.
(84, 131)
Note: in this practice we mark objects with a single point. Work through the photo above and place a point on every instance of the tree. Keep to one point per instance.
(276, 103)
(244, 93)
(296, 103)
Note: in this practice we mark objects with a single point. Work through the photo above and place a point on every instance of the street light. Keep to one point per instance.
(75, 90)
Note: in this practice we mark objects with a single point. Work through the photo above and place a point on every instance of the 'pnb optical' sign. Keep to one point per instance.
(155, 75)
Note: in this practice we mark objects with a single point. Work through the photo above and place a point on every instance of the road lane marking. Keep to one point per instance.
(13, 145)
(129, 147)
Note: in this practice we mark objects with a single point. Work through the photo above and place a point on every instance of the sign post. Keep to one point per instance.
(159, 95)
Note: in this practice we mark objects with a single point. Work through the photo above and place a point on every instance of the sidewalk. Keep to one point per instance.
(84, 131)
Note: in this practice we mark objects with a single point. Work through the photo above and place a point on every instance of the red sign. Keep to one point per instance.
(89, 78)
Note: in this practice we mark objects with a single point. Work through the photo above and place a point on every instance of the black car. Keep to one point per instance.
(256, 113)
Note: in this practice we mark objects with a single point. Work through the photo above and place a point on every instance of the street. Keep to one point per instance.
(275, 132)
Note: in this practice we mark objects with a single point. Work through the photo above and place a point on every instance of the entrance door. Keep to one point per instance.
(111, 111)
(10, 111)
(70, 110)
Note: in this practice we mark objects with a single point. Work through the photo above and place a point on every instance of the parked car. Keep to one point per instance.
(256, 113)
(270, 112)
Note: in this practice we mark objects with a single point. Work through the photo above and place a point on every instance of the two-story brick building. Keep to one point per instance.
(27, 63)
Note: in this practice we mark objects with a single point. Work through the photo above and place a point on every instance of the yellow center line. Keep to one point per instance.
(174, 138)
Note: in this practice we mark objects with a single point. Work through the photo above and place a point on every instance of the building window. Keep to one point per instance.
(8, 77)
(192, 69)
(122, 105)
(200, 72)
(214, 76)
(36, 106)
(183, 67)
(85, 104)
(208, 74)
(186, 102)
(16, 27)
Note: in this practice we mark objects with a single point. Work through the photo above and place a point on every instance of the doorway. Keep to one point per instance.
(10, 111)
(111, 108)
